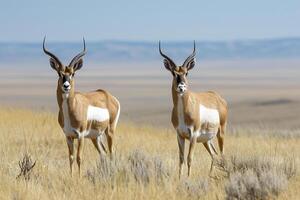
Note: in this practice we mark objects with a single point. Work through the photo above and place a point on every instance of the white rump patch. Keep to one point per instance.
(208, 115)
(97, 114)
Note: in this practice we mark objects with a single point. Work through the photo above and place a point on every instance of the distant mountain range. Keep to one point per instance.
(148, 51)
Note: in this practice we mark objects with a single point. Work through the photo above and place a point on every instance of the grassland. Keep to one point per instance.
(145, 164)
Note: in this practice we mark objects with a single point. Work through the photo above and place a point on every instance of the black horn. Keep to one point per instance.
(167, 58)
(50, 54)
(191, 57)
(78, 56)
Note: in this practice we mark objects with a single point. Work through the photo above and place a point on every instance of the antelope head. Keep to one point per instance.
(179, 73)
(66, 73)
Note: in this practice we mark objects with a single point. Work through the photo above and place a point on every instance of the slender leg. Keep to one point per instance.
(193, 141)
(208, 147)
(181, 144)
(220, 136)
(109, 136)
(70, 142)
(100, 142)
(99, 146)
(213, 147)
(79, 152)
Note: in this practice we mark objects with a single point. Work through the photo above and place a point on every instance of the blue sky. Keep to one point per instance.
(66, 20)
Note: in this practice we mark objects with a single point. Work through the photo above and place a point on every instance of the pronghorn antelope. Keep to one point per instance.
(83, 115)
(198, 117)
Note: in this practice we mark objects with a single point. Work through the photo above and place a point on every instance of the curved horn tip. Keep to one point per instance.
(44, 42)
(159, 45)
(83, 44)
(194, 45)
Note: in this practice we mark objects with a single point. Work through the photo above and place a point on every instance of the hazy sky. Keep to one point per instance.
(66, 20)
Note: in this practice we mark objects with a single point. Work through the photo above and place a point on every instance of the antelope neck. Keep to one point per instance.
(176, 96)
(63, 96)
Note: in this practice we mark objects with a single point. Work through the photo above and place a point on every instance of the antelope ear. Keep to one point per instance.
(168, 65)
(191, 64)
(78, 65)
(54, 65)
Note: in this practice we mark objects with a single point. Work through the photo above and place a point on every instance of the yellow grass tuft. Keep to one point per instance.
(145, 165)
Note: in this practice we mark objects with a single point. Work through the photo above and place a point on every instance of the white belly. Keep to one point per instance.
(92, 133)
(205, 136)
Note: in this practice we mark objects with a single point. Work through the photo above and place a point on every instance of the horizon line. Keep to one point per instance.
(151, 41)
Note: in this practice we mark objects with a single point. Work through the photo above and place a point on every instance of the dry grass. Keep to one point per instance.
(256, 177)
(145, 164)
